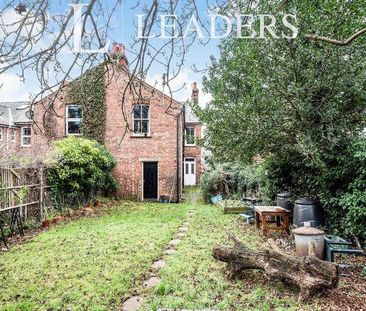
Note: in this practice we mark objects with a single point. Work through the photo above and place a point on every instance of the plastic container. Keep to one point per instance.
(284, 201)
(305, 236)
(216, 199)
(308, 210)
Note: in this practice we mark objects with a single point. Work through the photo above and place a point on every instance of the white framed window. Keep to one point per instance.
(141, 119)
(190, 136)
(12, 135)
(1, 133)
(74, 120)
(26, 136)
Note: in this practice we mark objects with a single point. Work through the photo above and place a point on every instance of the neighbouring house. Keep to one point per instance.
(15, 127)
(192, 151)
(155, 146)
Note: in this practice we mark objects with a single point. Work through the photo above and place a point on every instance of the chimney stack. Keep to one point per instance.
(118, 54)
(195, 92)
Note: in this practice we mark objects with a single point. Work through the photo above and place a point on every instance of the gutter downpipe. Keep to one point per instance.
(179, 183)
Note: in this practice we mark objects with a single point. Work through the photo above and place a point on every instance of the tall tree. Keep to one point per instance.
(274, 96)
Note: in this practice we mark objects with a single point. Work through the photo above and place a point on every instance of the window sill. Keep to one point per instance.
(190, 145)
(140, 136)
(25, 146)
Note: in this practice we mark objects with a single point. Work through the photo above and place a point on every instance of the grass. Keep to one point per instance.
(95, 263)
(193, 280)
(92, 263)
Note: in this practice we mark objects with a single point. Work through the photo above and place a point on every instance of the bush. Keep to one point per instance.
(230, 180)
(79, 170)
(353, 200)
(340, 185)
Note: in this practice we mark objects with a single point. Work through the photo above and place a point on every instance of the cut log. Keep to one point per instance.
(310, 274)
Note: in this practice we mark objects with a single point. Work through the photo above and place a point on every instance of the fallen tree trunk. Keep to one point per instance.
(310, 274)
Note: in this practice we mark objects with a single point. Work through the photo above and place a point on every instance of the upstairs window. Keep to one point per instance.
(26, 132)
(190, 136)
(74, 120)
(141, 119)
(1, 133)
(12, 135)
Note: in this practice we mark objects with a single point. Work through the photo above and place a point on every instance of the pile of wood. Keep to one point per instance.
(310, 274)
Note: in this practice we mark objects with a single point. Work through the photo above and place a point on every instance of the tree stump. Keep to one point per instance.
(310, 274)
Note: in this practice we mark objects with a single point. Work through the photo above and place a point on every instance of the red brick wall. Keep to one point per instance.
(129, 151)
(7, 146)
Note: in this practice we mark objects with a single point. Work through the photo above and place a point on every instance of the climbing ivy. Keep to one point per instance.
(89, 92)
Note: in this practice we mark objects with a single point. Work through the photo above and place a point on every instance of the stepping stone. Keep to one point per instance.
(170, 251)
(152, 282)
(186, 223)
(183, 229)
(181, 234)
(159, 264)
(174, 242)
(132, 304)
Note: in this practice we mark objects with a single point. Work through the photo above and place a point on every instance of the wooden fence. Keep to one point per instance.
(23, 197)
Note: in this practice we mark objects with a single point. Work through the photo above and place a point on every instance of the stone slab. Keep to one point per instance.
(170, 251)
(181, 235)
(159, 264)
(174, 242)
(153, 281)
(132, 304)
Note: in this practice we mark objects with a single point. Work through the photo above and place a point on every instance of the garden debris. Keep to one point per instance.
(310, 274)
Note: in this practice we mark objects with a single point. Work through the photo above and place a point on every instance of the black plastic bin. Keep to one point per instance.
(284, 201)
(308, 210)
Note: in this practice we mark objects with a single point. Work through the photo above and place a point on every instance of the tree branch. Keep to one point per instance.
(334, 41)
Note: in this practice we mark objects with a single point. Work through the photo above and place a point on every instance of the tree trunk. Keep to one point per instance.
(310, 274)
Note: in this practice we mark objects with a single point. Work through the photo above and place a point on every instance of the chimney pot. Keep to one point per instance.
(195, 91)
(118, 53)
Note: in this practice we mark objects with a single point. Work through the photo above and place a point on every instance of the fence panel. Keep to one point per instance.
(23, 197)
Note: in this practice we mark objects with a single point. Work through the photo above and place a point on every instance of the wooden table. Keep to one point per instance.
(282, 218)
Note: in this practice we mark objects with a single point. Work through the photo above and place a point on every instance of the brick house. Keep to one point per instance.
(155, 146)
(192, 151)
(15, 127)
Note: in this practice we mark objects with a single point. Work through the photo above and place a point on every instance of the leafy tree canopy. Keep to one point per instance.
(278, 95)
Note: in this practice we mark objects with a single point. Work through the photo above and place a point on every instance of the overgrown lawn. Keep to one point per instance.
(88, 264)
(193, 280)
(97, 263)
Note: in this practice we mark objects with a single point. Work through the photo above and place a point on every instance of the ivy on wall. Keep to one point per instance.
(89, 92)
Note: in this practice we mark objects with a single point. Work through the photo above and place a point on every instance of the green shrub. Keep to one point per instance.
(353, 200)
(340, 185)
(79, 170)
(231, 180)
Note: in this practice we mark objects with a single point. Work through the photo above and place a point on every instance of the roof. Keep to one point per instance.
(14, 113)
(190, 116)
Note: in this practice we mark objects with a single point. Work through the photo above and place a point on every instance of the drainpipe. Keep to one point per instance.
(178, 162)
(179, 165)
